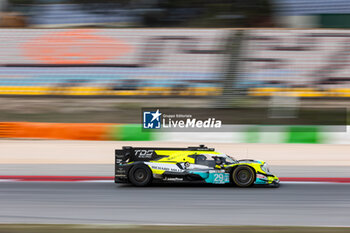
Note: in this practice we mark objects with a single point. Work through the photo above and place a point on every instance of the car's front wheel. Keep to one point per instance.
(243, 176)
(140, 175)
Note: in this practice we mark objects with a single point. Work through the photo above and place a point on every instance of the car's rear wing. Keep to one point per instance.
(129, 153)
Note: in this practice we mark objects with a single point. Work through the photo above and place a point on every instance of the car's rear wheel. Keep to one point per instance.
(140, 175)
(243, 176)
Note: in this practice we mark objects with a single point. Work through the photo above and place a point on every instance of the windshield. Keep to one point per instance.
(210, 159)
(230, 160)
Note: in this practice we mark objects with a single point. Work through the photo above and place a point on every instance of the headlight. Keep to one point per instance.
(265, 168)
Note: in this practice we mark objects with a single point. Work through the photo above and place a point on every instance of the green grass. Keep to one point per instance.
(48, 228)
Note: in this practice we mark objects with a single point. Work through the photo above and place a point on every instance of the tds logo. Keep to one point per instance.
(144, 154)
(151, 120)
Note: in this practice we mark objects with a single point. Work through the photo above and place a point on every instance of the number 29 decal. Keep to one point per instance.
(220, 178)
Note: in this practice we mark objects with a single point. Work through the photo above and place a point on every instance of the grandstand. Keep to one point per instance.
(111, 62)
(173, 62)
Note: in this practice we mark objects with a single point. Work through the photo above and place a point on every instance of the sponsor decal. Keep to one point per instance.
(164, 167)
(173, 179)
(144, 154)
(260, 176)
(120, 170)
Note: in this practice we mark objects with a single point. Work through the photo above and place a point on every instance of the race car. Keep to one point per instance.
(141, 166)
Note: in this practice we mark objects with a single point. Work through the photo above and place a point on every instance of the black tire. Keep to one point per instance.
(140, 175)
(243, 176)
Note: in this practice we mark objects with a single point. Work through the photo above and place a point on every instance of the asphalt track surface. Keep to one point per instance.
(307, 204)
(108, 170)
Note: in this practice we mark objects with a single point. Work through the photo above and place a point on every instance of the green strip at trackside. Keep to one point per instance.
(303, 134)
(293, 134)
(252, 134)
(130, 132)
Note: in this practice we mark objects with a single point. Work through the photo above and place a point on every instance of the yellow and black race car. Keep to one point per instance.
(143, 165)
